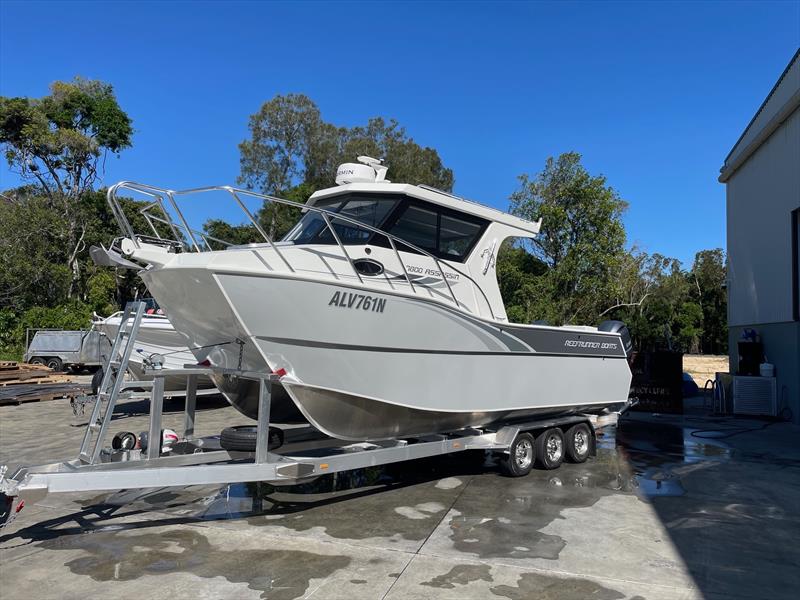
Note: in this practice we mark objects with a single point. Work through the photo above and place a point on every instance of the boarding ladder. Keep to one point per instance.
(113, 377)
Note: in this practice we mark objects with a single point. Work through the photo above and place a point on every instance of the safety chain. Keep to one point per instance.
(241, 351)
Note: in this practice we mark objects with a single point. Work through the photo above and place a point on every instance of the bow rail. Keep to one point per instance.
(198, 241)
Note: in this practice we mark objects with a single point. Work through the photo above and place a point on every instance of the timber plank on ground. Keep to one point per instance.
(13, 373)
(20, 394)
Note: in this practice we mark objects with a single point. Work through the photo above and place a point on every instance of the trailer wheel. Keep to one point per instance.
(579, 442)
(242, 438)
(124, 440)
(550, 449)
(55, 363)
(521, 454)
(38, 360)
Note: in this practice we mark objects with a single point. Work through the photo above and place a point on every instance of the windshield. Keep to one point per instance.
(372, 210)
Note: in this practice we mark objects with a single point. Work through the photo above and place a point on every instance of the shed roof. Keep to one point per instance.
(782, 101)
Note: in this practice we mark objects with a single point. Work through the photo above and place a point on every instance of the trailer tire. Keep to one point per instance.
(124, 440)
(550, 449)
(242, 438)
(38, 360)
(521, 455)
(579, 442)
(55, 363)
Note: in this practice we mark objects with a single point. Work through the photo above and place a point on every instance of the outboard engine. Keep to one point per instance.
(623, 331)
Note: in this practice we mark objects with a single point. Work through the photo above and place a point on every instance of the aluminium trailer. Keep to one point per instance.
(201, 461)
(59, 348)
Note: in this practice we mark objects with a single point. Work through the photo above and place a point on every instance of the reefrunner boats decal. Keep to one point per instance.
(345, 299)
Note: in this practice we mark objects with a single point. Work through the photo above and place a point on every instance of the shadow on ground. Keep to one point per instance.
(725, 489)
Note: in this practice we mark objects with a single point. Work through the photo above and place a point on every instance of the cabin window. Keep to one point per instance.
(457, 236)
(442, 232)
(372, 210)
(418, 226)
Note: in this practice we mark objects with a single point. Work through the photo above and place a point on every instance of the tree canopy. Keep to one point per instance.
(582, 239)
(56, 144)
(57, 141)
(290, 144)
(292, 151)
(578, 270)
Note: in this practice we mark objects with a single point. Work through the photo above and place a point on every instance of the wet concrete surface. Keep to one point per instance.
(671, 507)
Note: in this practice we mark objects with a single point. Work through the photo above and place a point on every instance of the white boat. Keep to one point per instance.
(380, 309)
(157, 339)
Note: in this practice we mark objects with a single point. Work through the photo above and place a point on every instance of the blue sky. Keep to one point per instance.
(652, 94)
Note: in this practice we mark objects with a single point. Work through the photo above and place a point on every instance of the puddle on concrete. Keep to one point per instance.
(449, 483)
(545, 587)
(504, 517)
(404, 500)
(492, 538)
(659, 453)
(424, 510)
(460, 575)
(277, 574)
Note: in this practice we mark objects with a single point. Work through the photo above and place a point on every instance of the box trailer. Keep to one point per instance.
(60, 349)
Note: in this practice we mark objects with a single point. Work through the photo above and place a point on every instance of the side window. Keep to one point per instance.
(457, 236)
(417, 226)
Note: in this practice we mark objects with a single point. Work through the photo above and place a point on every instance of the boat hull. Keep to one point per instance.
(350, 417)
(366, 364)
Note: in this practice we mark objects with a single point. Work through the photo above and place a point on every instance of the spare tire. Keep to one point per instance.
(242, 438)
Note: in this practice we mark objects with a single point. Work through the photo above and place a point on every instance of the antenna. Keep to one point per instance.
(377, 164)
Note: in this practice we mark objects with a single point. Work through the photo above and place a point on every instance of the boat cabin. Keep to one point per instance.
(465, 235)
(366, 231)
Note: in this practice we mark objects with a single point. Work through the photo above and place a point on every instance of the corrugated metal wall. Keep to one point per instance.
(762, 194)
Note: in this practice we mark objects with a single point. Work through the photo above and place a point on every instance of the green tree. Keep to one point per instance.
(408, 161)
(33, 267)
(282, 148)
(519, 275)
(689, 326)
(292, 152)
(58, 143)
(708, 276)
(582, 240)
(35, 281)
(238, 235)
(662, 315)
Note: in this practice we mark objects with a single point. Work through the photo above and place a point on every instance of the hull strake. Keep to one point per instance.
(466, 366)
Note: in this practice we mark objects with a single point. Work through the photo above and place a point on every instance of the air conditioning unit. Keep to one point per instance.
(755, 395)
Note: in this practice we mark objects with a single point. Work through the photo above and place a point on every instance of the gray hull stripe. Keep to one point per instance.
(336, 346)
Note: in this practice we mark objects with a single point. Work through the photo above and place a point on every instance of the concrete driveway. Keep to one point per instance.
(659, 513)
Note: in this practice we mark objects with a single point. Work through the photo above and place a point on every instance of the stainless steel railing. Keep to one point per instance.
(158, 196)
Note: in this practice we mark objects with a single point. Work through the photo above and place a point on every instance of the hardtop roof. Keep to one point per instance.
(524, 227)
